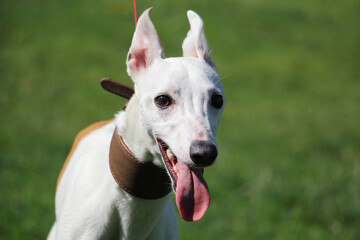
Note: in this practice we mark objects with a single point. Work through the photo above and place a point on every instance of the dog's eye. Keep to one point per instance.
(163, 101)
(217, 101)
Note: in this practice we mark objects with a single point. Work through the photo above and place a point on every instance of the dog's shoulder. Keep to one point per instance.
(79, 137)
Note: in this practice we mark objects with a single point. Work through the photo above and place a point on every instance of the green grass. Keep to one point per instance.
(290, 136)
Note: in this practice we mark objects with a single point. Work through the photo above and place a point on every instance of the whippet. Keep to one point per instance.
(117, 180)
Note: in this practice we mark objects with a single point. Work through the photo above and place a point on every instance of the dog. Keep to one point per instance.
(117, 180)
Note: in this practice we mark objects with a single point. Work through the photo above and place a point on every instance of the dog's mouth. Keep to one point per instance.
(170, 162)
(192, 193)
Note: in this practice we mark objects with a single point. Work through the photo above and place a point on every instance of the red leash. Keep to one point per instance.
(135, 12)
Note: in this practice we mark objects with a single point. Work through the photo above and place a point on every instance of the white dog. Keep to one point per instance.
(117, 180)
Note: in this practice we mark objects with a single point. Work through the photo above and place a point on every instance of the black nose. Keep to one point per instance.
(203, 153)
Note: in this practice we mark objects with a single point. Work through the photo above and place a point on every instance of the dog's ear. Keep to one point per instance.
(145, 46)
(195, 44)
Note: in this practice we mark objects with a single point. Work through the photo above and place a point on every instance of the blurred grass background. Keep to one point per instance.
(290, 136)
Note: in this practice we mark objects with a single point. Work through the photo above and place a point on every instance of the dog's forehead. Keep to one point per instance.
(183, 73)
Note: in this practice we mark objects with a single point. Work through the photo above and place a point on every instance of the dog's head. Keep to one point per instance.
(181, 103)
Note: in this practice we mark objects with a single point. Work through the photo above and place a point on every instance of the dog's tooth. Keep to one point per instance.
(170, 154)
(176, 170)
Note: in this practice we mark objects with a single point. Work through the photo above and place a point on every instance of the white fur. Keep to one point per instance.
(89, 203)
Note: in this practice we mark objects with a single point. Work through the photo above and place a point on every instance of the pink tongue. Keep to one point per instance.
(192, 193)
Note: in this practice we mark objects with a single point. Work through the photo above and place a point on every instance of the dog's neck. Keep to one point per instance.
(138, 140)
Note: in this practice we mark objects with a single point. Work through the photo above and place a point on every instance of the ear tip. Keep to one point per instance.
(149, 10)
(145, 14)
(191, 14)
(194, 18)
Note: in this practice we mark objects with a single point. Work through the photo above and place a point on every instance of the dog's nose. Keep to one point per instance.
(203, 153)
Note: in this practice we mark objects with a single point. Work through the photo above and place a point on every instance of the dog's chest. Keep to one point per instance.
(139, 218)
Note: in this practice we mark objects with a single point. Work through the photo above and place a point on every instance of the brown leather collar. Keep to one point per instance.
(117, 88)
(142, 180)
